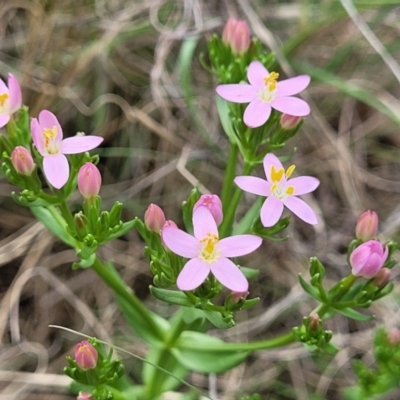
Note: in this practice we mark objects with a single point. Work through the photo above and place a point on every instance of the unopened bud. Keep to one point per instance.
(289, 122)
(213, 203)
(237, 296)
(84, 396)
(381, 279)
(22, 161)
(367, 226)
(368, 258)
(314, 322)
(236, 35)
(154, 218)
(89, 180)
(86, 355)
(394, 336)
(169, 222)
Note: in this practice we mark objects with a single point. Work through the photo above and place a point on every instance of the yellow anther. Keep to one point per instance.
(3, 98)
(276, 176)
(290, 190)
(289, 171)
(209, 245)
(271, 80)
(49, 134)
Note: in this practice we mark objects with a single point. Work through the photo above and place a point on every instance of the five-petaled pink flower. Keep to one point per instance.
(264, 93)
(48, 138)
(280, 191)
(10, 99)
(208, 253)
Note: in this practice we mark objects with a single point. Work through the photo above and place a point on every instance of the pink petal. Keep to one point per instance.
(80, 144)
(237, 93)
(303, 184)
(15, 93)
(193, 274)
(56, 169)
(301, 209)
(229, 275)
(269, 161)
(256, 113)
(4, 118)
(239, 245)
(36, 132)
(253, 185)
(48, 120)
(271, 211)
(180, 242)
(291, 105)
(291, 86)
(256, 74)
(203, 223)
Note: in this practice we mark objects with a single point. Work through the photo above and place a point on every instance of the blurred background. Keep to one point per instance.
(130, 72)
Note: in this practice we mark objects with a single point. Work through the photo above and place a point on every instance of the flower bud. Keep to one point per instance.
(213, 203)
(367, 226)
(381, 279)
(22, 161)
(314, 323)
(237, 296)
(169, 222)
(394, 336)
(368, 258)
(84, 396)
(85, 355)
(289, 122)
(89, 180)
(236, 35)
(154, 218)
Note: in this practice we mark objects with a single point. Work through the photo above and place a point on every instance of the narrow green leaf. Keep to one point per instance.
(171, 296)
(353, 314)
(309, 289)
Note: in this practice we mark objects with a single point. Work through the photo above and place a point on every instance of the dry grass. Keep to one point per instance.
(110, 68)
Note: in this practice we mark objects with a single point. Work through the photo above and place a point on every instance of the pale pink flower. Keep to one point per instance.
(86, 355)
(84, 396)
(280, 191)
(264, 93)
(236, 35)
(213, 203)
(48, 138)
(22, 161)
(10, 99)
(154, 218)
(368, 259)
(89, 180)
(367, 226)
(208, 253)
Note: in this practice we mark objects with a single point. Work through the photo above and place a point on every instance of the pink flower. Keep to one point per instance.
(22, 161)
(10, 99)
(208, 253)
(236, 35)
(280, 191)
(289, 122)
(367, 226)
(368, 258)
(84, 396)
(213, 203)
(48, 138)
(89, 180)
(264, 93)
(154, 218)
(86, 355)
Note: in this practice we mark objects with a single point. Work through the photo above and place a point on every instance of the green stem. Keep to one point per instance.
(66, 213)
(225, 228)
(229, 175)
(113, 280)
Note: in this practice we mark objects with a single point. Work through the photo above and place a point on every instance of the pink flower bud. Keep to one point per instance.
(22, 161)
(314, 323)
(381, 279)
(89, 180)
(213, 203)
(367, 226)
(169, 222)
(237, 296)
(154, 218)
(236, 35)
(368, 258)
(394, 336)
(86, 355)
(289, 122)
(84, 396)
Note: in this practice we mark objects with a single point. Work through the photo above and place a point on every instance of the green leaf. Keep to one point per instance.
(353, 314)
(309, 289)
(171, 296)
(217, 319)
(204, 360)
(249, 273)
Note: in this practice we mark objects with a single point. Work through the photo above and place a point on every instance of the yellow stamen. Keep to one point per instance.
(271, 80)
(289, 171)
(3, 98)
(208, 251)
(49, 134)
(276, 176)
(290, 190)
